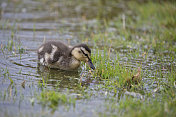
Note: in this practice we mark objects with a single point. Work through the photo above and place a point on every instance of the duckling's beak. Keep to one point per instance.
(89, 62)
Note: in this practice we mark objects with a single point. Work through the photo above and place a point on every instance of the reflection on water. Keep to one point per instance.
(65, 79)
(55, 77)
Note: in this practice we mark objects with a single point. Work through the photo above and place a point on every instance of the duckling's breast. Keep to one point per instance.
(74, 63)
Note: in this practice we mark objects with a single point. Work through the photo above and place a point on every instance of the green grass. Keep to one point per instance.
(53, 99)
(13, 46)
(147, 40)
(131, 107)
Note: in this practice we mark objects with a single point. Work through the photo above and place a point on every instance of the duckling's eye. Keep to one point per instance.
(86, 55)
(79, 51)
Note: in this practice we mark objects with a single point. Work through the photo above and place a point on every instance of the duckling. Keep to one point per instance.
(55, 54)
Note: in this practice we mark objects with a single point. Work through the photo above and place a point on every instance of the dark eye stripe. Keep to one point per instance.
(85, 54)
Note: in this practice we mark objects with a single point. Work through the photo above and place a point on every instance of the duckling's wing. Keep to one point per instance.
(52, 51)
(56, 56)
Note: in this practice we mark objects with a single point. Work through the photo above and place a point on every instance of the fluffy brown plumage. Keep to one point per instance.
(55, 54)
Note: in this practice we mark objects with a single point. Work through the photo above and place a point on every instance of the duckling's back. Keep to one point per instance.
(52, 52)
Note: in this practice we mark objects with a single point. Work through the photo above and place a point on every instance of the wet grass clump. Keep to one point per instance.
(13, 46)
(53, 99)
(132, 107)
(108, 68)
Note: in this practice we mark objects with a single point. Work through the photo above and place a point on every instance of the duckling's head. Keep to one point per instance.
(83, 53)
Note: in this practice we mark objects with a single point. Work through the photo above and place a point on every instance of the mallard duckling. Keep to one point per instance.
(55, 54)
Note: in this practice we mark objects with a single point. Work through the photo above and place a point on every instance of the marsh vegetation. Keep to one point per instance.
(133, 49)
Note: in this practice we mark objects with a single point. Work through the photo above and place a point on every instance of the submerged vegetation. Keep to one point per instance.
(133, 50)
(53, 98)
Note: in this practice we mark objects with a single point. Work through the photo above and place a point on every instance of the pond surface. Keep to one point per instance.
(25, 25)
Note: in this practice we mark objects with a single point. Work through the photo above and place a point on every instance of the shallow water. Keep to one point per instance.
(33, 22)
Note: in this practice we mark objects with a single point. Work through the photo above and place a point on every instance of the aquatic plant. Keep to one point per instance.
(53, 99)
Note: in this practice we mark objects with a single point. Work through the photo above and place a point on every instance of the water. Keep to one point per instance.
(33, 22)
